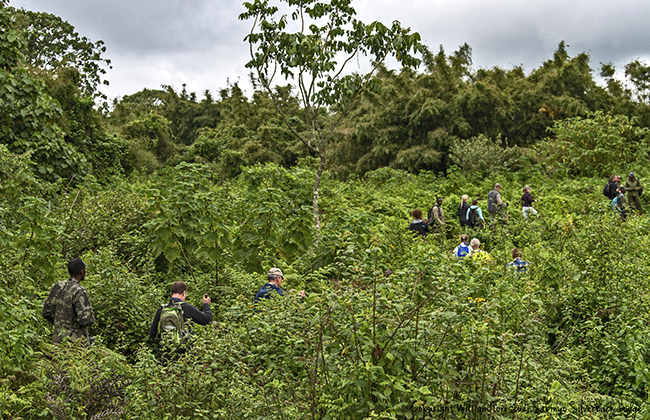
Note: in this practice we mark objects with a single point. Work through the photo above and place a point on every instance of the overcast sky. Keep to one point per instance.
(200, 42)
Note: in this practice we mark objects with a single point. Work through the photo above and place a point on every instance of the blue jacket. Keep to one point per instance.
(265, 292)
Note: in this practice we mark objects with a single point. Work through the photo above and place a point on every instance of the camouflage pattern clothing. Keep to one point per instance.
(634, 189)
(68, 308)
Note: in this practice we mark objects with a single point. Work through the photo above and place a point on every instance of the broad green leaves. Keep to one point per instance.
(27, 124)
(186, 222)
(598, 145)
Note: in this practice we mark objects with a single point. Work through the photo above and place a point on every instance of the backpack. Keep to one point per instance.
(606, 190)
(463, 250)
(471, 217)
(172, 323)
(430, 216)
(614, 202)
(492, 201)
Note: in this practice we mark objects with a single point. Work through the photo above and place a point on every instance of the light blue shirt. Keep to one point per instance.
(478, 210)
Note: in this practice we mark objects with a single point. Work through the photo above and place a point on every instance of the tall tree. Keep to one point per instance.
(639, 74)
(53, 43)
(28, 114)
(312, 45)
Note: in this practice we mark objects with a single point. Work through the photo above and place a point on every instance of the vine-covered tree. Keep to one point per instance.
(52, 43)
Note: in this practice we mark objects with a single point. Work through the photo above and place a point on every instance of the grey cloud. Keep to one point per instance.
(200, 42)
(150, 26)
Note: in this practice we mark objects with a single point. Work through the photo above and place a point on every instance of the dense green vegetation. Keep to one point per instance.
(214, 192)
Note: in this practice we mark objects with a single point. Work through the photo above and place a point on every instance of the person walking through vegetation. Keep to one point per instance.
(517, 263)
(68, 306)
(477, 253)
(418, 226)
(634, 190)
(495, 203)
(462, 211)
(464, 248)
(172, 318)
(272, 288)
(437, 216)
(474, 214)
(610, 190)
(527, 201)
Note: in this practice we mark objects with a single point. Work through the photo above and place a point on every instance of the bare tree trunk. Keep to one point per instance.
(319, 173)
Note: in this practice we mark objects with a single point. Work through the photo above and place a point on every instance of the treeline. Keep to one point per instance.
(410, 120)
(413, 122)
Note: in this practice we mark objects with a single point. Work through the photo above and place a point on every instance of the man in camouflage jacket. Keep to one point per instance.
(68, 306)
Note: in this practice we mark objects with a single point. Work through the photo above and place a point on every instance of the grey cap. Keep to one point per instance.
(497, 185)
(526, 187)
(275, 272)
(631, 174)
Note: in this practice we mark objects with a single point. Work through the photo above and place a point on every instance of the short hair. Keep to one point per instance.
(464, 237)
(417, 214)
(516, 253)
(178, 287)
(475, 242)
(76, 266)
(474, 202)
(464, 197)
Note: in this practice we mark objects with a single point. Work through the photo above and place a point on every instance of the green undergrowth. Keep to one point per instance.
(392, 326)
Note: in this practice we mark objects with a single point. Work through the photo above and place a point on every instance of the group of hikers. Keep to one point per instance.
(472, 250)
(68, 308)
(471, 215)
(615, 192)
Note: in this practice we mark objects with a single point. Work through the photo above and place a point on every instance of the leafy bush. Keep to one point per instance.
(597, 145)
(483, 155)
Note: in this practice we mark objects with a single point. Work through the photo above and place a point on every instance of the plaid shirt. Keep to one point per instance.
(520, 265)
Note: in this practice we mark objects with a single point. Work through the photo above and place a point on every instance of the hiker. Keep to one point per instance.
(619, 203)
(464, 249)
(462, 211)
(474, 214)
(495, 203)
(170, 320)
(272, 288)
(527, 201)
(68, 307)
(517, 263)
(610, 189)
(634, 190)
(478, 254)
(436, 215)
(417, 225)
